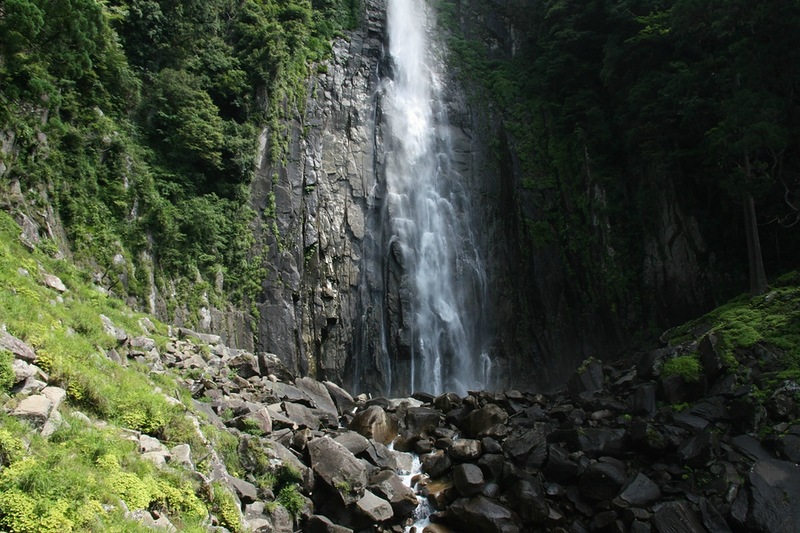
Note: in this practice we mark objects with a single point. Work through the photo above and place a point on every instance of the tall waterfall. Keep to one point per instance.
(431, 329)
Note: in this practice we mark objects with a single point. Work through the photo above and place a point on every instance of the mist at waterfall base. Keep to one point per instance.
(423, 257)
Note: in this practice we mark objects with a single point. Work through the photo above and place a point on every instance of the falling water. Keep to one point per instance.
(427, 218)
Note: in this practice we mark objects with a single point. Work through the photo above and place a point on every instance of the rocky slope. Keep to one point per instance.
(693, 437)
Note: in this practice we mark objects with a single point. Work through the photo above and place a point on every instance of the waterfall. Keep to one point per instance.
(430, 304)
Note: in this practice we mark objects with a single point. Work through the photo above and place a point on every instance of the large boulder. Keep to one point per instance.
(677, 517)
(480, 513)
(372, 510)
(773, 492)
(391, 488)
(338, 468)
(343, 400)
(468, 479)
(374, 423)
(318, 393)
(486, 421)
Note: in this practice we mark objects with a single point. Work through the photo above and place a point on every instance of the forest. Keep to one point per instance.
(639, 97)
(141, 118)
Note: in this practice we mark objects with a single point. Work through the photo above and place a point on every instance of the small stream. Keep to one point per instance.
(422, 515)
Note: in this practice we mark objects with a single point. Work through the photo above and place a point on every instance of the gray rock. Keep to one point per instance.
(479, 513)
(468, 479)
(483, 422)
(374, 423)
(158, 458)
(22, 370)
(319, 395)
(344, 402)
(54, 282)
(463, 450)
(17, 347)
(35, 409)
(150, 444)
(338, 468)
(353, 441)
(245, 491)
(373, 509)
(774, 490)
(56, 395)
(323, 524)
(391, 488)
(641, 491)
(603, 480)
(676, 517)
(202, 337)
(181, 455)
(301, 415)
(108, 326)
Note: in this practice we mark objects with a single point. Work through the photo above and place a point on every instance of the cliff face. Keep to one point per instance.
(315, 210)
(321, 216)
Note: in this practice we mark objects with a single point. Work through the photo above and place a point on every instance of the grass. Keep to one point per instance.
(74, 480)
(749, 327)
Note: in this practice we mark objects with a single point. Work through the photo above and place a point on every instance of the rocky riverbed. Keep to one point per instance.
(624, 447)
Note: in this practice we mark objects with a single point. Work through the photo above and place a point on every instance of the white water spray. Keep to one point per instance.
(428, 214)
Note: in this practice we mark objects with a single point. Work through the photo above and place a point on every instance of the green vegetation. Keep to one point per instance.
(686, 366)
(764, 329)
(62, 484)
(292, 500)
(6, 372)
(609, 107)
(138, 121)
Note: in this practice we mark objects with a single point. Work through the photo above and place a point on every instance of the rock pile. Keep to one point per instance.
(624, 448)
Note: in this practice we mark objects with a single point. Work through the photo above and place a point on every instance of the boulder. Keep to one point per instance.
(479, 513)
(603, 480)
(422, 420)
(468, 479)
(318, 392)
(374, 423)
(588, 378)
(436, 464)
(35, 409)
(17, 347)
(676, 517)
(338, 468)
(486, 421)
(439, 492)
(323, 524)
(301, 415)
(372, 509)
(463, 450)
(774, 494)
(54, 282)
(527, 499)
(343, 400)
(391, 488)
(353, 441)
(641, 491)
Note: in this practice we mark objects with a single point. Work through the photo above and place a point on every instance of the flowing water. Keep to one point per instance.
(427, 219)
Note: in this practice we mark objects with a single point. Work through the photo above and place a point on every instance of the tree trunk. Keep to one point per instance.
(758, 278)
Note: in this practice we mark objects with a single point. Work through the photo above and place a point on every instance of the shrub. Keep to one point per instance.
(686, 366)
(291, 499)
(6, 371)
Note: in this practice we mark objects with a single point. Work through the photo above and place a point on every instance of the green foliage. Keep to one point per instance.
(686, 366)
(291, 499)
(151, 110)
(80, 468)
(225, 508)
(6, 371)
